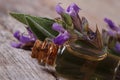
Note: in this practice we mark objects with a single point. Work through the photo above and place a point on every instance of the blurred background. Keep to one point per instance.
(94, 10)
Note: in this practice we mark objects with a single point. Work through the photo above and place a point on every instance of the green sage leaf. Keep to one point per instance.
(19, 17)
(40, 32)
(42, 27)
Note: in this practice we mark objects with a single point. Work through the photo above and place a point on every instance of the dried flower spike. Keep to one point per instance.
(114, 36)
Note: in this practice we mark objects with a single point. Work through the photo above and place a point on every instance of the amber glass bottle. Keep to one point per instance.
(74, 65)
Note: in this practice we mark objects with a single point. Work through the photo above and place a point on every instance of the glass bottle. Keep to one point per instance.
(72, 64)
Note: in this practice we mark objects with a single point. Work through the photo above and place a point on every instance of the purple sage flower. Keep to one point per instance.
(113, 32)
(73, 11)
(25, 41)
(59, 9)
(63, 34)
(111, 24)
(113, 29)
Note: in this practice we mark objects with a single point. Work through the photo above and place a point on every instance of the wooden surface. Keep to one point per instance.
(17, 64)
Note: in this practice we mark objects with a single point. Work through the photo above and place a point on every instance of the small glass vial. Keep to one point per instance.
(72, 64)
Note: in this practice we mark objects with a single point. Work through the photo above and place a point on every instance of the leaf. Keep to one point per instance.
(42, 27)
(19, 17)
(46, 24)
(40, 32)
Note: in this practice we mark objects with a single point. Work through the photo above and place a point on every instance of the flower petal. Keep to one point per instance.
(17, 34)
(16, 45)
(73, 9)
(111, 24)
(72, 13)
(25, 39)
(61, 38)
(59, 9)
(58, 27)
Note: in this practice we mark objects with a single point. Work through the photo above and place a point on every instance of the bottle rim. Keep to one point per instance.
(92, 56)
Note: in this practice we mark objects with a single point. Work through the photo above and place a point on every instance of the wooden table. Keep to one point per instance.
(17, 64)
